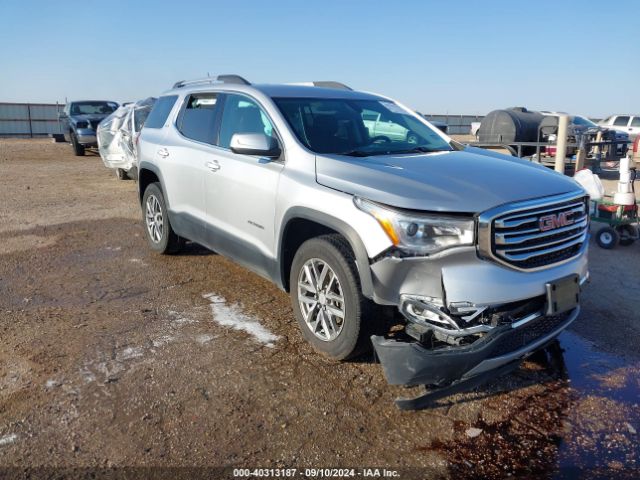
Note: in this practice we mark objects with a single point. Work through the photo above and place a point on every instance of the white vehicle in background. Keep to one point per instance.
(118, 134)
(475, 126)
(629, 124)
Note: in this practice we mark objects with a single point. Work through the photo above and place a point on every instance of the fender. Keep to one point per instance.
(340, 226)
(145, 165)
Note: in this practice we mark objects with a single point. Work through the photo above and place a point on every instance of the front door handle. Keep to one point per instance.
(213, 165)
(163, 152)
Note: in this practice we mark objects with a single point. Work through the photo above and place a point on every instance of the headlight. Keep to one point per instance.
(418, 234)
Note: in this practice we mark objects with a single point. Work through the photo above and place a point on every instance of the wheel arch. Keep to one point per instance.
(300, 224)
(148, 174)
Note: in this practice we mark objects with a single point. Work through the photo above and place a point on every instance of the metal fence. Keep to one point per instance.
(41, 119)
(29, 119)
(457, 124)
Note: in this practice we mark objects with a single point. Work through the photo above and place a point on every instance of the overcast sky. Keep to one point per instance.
(438, 56)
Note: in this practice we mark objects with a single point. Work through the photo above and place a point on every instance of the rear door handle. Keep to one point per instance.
(163, 152)
(213, 165)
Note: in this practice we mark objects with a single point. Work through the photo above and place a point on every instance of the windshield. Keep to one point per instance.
(585, 122)
(93, 108)
(358, 127)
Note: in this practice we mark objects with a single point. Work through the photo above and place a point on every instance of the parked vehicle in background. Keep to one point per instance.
(579, 125)
(356, 205)
(475, 126)
(118, 137)
(79, 121)
(629, 124)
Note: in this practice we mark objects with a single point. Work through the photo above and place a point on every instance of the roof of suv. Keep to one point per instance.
(279, 91)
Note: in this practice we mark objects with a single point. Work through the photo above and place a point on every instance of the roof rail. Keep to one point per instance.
(325, 84)
(219, 79)
(233, 79)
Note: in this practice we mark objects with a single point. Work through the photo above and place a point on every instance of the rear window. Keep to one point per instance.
(160, 111)
(621, 121)
(197, 119)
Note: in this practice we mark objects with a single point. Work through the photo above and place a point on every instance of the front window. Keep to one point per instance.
(358, 127)
(93, 108)
(242, 115)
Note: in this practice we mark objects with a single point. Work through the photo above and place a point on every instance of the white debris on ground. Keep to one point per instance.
(473, 432)
(7, 439)
(52, 383)
(202, 339)
(231, 316)
(129, 353)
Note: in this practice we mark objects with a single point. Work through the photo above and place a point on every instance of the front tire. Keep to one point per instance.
(333, 315)
(607, 238)
(78, 149)
(121, 174)
(160, 235)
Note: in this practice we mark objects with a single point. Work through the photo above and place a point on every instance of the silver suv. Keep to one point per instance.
(358, 207)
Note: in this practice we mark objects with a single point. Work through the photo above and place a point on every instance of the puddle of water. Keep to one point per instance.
(574, 414)
(605, 414)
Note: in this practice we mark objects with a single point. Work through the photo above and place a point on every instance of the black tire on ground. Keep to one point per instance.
(607, 238)
(628, 234)
(359, 312)
(78, 149)
(121, 174)
(168, 242)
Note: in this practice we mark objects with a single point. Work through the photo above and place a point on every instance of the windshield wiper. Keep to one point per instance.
(420, 150)
(356, 153)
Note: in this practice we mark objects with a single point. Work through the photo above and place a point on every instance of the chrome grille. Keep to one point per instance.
(539, 236)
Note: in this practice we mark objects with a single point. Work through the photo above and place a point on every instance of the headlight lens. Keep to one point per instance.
(420, 234)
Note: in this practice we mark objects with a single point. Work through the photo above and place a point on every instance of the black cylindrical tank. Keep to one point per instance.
(510, 125)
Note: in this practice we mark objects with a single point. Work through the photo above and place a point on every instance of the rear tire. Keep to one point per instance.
(325, 294)
(607, 238)
(78, 149)
(628, 234)
(158, 231)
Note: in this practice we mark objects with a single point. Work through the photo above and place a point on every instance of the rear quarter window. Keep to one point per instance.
(160, 111)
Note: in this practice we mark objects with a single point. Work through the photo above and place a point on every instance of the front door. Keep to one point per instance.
(241, 190)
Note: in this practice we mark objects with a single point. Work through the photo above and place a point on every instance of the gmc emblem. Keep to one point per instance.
(550, 222)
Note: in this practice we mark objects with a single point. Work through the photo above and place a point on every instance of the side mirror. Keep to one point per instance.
(255, 144)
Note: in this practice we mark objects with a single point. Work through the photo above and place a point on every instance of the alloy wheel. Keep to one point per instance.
(155, 222)
(321, 299)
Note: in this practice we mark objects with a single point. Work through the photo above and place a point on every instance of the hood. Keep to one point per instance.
(467, 181)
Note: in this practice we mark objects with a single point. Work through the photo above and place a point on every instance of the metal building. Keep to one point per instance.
(29, 119)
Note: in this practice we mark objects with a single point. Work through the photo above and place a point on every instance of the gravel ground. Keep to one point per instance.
(111, 356)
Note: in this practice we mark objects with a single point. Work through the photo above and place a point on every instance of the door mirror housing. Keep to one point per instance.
(255, 144)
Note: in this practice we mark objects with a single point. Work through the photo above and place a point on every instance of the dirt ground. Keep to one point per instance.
(112, 356)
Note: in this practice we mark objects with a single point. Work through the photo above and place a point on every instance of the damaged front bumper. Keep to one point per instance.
(410, 363)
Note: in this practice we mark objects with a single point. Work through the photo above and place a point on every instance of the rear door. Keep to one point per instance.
(241, 189)
(184, 160)
(621, 122)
